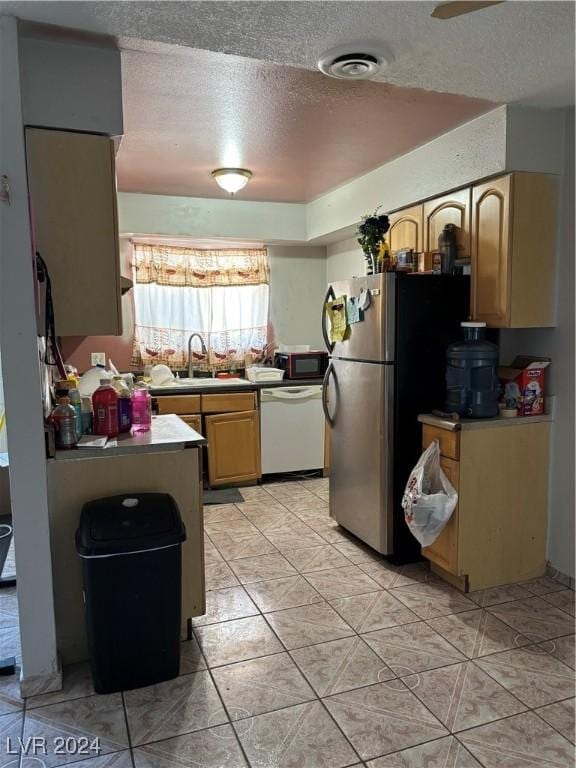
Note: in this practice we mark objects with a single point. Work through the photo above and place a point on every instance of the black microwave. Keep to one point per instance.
(302, 365)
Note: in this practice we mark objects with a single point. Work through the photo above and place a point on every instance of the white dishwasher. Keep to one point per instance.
(292, 429)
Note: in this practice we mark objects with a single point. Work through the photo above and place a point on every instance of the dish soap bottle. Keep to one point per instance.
(105, 404)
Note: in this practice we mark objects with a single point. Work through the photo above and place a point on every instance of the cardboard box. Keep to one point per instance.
(528, 374)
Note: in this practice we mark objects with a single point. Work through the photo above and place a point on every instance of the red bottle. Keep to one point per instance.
(105, 406)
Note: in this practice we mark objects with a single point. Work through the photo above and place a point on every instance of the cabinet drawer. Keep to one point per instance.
(229, 403)
(449, 441)
(194, 421)
(186, 404)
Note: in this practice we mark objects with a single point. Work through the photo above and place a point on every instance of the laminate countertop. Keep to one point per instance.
(243, 385)
(497, 421)
(168, 433)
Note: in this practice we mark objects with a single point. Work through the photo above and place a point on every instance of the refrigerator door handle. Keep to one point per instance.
(325, 383)
(330, 296)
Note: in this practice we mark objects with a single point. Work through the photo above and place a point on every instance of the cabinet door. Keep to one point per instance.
(72, 186)
(491, 267)
(444, 551)
(449, 209)
(233, 448)
(406, 229)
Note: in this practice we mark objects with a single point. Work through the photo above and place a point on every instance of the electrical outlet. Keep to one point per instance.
(97, 358)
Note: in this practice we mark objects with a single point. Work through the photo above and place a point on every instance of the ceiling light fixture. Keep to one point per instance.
(231, 180)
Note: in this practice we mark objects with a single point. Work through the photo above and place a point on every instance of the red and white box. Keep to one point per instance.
(528, 373)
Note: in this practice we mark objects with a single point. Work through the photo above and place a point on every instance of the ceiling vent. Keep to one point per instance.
(340, 63)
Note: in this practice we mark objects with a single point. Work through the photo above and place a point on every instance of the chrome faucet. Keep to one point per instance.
(204, 352)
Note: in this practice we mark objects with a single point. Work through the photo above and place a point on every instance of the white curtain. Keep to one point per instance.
(231, 319)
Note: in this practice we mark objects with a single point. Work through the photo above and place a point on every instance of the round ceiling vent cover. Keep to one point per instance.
(340, 63)
(354, 66)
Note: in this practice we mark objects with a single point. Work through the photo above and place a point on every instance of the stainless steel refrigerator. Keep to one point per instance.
(390, 368)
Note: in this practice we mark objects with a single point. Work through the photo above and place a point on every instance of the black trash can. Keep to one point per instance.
(130, 547)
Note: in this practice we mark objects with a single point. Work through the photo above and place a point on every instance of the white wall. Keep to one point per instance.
(63, 86)
(507, 138)
(28, 481)
(71, 86)
(206, 218)
(344, 259)
(558, 343)
(297, 289)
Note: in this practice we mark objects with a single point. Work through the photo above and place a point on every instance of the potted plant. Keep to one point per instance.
(372, 238)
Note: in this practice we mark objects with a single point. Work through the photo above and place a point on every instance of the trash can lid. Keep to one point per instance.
(129, 523)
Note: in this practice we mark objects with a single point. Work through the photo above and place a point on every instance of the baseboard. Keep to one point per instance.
(38, 684)
(554, 573)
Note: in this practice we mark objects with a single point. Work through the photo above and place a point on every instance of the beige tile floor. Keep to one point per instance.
(316, 653)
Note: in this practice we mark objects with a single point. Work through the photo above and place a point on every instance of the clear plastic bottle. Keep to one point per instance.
(86, 415)
(141, 409)
(124, 403)
(105, 404)
(76, 403)
(64, 419)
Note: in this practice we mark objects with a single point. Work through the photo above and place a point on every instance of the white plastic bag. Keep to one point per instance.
(429, 498)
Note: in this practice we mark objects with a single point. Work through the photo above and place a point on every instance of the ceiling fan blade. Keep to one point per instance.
(460, 7)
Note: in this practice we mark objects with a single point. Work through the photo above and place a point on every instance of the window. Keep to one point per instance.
(220, 294)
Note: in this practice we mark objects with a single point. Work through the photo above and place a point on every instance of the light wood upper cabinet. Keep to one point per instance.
(233, 448)
(406, 229)
(72, 186)
(449, 209)
(513, 251)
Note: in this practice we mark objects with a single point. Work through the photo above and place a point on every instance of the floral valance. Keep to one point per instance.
(196, 267)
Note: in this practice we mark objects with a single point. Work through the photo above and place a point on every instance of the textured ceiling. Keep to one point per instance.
(300, 133)
(513, 52)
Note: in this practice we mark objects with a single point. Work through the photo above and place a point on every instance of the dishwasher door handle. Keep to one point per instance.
(300, 393)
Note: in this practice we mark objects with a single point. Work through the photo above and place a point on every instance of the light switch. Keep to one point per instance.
(98, 358)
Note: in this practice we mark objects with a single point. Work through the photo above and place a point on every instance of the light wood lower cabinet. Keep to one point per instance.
(444, 551)
(233, 447)
(230, 421)
(497, 533)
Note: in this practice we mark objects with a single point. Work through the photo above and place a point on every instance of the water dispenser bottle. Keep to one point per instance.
(472, 386)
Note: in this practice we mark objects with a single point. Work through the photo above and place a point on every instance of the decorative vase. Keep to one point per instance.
(371, 257)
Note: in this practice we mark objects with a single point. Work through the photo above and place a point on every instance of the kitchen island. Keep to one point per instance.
(168, 459)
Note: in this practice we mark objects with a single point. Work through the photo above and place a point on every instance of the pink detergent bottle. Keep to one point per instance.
(141, 409)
